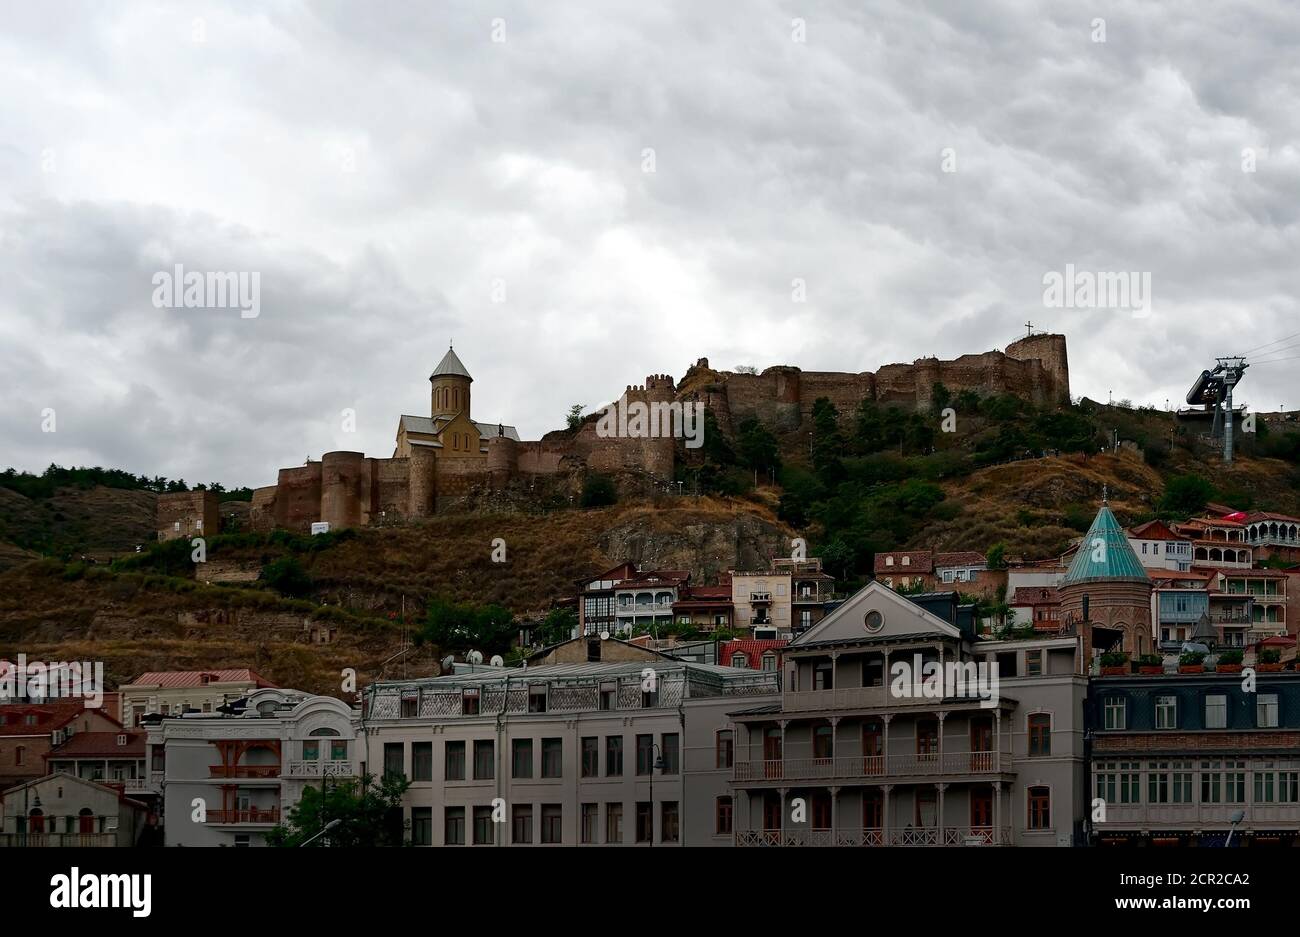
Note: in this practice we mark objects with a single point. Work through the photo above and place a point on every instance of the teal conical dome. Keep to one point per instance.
(1105, 554)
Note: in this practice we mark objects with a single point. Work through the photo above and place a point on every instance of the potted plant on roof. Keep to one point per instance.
(1114, 664)
(1191, 662)
(1228, 662)
(1270, 660)
(1151, 664)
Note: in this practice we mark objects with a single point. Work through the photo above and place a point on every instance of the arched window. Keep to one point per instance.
(1040, 734)
(36, 819)
(85, 820)
(325, 732)
(1040, 808)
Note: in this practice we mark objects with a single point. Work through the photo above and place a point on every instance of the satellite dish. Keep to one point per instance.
(447, 663)
(474, 657)
(497, 660)
(604, 636)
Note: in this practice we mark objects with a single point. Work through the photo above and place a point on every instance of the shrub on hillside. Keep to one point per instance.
(598, 491)
(287, 577)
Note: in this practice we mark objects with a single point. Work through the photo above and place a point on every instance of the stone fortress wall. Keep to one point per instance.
(350, 489)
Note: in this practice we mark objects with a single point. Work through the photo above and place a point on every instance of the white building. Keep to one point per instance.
(229, 778)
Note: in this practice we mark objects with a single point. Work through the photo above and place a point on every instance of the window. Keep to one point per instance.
(823, 742)
(1040, 734)
(454, 769)
(590, 820)
(671, 753)
(1266, 711)
(339, 750)
(607, 698)
(552, 823)
(521, 822)
(537, 699)
(1033, 663)
(453, 833)
(769, 659)
(310, 750)
(1040, 808)
(1169, 782)
(1216, 711)
(645, 820)
(614, 823)
(722, 817)
(1119, 782)
(552, 758)
(668, 828)
(613, 756)
(469, 703)
(590, 759)
(644, 754)
(483, 835)
(725, 747)
(1166, 712)
(650, 698)
(521, 758)
(739, 660)
(484, 759)
(422, 761)
(1116, 712)
(823, 675)
(394, 755)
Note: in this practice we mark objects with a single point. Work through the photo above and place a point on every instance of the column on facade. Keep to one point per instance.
(782, 792)
(835, 816)
(997, 813)
(884, 740)
(997, 739)
(888, 811)
(942, 788)
(942, 714)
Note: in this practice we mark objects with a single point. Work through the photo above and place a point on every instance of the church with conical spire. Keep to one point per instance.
(449, 428)
(1106, 592)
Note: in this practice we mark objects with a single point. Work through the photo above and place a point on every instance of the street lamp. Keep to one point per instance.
(1236, 818)
(325, 829)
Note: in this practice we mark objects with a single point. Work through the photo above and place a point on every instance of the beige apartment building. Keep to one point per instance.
(611, 753)
(854, 756)
(762, 600)
(170, 693)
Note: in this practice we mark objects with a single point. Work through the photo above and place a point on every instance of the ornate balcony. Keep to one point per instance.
(320, 769)
(244, 771)
(82, 840)
(850, 767)
(268, 816)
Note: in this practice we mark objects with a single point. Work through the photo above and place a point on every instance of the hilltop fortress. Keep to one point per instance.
(448, 458)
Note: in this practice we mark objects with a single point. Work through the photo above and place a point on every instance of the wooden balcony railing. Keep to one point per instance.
(43, 840)
(244, 771)
(268, 815)
(868, 766)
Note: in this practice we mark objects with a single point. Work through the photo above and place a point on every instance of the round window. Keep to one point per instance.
(874, 621)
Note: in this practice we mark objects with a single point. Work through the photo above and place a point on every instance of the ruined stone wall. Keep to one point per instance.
(391, 484)
(1050, 352)
(188, 514)
(846, 391)
(345, 489)
(544, 457)
(261, 512)
(298, 497)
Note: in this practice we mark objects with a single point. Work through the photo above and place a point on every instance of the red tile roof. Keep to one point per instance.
(919, 561)
(960, 558)
(752, 648)
(1255, 516)
(101, 745)
(49, 716)
(1036, 595)
(185, 679)
(1154, 530)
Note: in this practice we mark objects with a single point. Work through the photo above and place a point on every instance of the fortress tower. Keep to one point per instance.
(450, 393)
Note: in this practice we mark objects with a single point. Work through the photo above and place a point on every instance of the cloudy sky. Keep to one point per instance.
(403, 174)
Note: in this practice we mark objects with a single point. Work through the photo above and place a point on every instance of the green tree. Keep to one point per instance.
(940, 398)
(574, 417)
(466, 626)
(758, 447)
(997, 556)
(366, 813)
(557, 626)
(287, 577)
(1186, 495)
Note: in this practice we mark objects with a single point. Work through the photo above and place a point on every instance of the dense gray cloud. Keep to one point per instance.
(382, 166)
